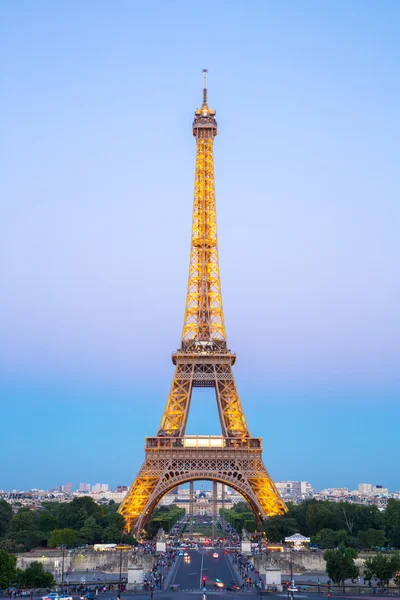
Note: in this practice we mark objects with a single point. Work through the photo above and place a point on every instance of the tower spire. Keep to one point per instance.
(205, 71)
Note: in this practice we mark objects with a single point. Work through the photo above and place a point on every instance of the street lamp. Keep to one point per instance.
(62, 568)
(291, 587)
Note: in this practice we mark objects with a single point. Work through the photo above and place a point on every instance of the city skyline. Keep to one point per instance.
(96, 488)
(97, 165)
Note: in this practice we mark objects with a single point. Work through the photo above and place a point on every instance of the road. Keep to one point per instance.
(200, 563)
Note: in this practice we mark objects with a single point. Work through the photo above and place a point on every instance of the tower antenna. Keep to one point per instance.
(205, 71)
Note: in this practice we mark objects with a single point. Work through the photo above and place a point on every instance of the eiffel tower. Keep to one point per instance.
(203, 360)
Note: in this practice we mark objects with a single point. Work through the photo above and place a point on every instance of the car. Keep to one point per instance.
(215, 555)
(89, 596)
(233, 588)
(65, 597)
(52, 596)
(219, 584)
(185, 554)
(180, 553)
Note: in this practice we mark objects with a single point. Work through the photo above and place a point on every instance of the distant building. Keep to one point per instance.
(105, 487)
(365, 489)
(294, 488)
(67, 488)
(167, 500)
(121, 488)
(84, 487)
(380, 490)
(116, 496)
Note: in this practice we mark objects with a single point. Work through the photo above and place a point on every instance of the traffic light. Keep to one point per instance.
(204, 580)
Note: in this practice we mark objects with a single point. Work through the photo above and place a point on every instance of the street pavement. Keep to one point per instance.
(200, 563)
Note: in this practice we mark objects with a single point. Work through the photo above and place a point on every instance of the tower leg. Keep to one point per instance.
(191, 501)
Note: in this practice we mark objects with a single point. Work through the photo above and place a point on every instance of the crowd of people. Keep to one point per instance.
(250, 577)
(154, 580)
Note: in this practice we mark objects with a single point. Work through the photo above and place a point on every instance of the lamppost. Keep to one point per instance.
(62, 568)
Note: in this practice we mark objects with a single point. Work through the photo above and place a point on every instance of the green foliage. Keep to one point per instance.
(328, 538)
(62, 537)
(340, 564)
(7, 569)
(10, 545)
(382, 567)
(34, 576)
(279, 527)
(6, 514)
(329, 524)
(90, 533)
(240, 517)
(21, 529)
(371, 538)
(242, 507)
(47, 521)
(165, 518)
(392, 522)
(75, 514)
(113, 528)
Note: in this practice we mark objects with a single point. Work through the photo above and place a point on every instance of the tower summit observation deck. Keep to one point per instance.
(203, 360)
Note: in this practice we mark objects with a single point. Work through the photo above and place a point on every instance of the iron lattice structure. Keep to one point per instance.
(203, 360)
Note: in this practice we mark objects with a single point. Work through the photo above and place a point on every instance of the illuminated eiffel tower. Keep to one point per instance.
(203, 360)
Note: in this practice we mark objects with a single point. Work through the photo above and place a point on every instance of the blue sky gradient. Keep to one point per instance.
(97, 165)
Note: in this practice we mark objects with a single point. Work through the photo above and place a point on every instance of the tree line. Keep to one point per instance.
(77, 523)
(328, 524)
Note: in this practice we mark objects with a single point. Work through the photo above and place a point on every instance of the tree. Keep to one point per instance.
(280, 526)
(326, 538)
(47, 521)
(392, 522)
(371, 538)
(10, 546)
(340, 564)
(7, 569)
(6, 514)
(62, 537)
(90, 532)
(21, 527)
(34, 576)
(382, 567)
(75, 513)
(242, 507)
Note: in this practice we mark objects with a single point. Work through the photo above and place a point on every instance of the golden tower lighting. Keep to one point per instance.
(203, 360)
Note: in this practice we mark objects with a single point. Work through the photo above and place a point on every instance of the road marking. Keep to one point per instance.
(201, 568)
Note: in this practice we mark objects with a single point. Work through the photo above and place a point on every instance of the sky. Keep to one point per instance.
(96, 186)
